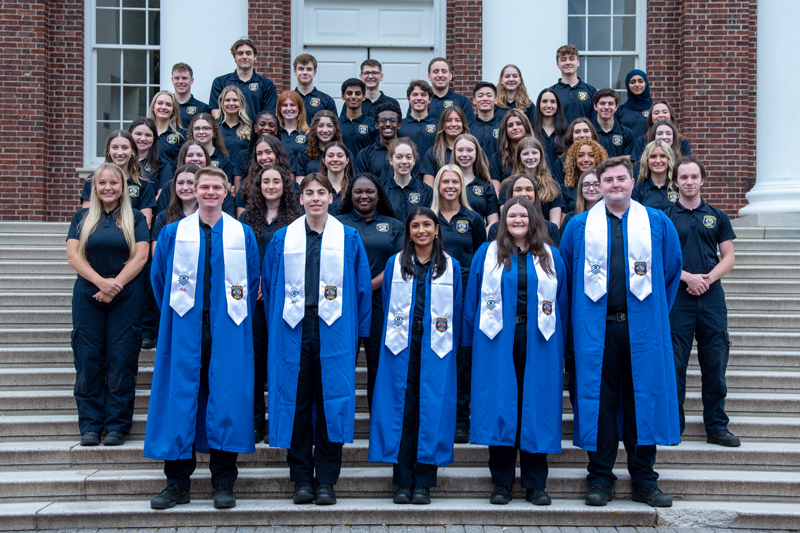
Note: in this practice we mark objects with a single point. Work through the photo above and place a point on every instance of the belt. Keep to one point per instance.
(312, 312)
(617, 317)
(522, 319)
(418, 326)
(206, 317)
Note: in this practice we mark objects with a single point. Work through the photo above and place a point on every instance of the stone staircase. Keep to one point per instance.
(48, 481)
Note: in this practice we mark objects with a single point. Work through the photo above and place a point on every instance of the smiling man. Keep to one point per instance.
(314, 100)
(440, 74)
(375, 157)
(575, 95)
(614, 137)
(182, 81)
(259, 91)
(357, 127)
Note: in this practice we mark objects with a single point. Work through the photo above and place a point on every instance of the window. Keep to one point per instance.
(610, 35)
(123, 68)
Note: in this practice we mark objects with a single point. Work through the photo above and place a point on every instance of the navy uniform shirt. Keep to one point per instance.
(550, 155)
(618, 141)
(577, 101)
(570, 195)
(336, 203)
(528, 111)
(375, 159)
(462, 236)
(157, 176)
(191, 109)
(482, 198)
(241, 164)
(316, 101)
(223, 162)
(357, 133)
(259, 92)
(269, 230)
(641, 143)
(403, 199)
(617, 283)
(368, 107)
(166, 194)
(142, 196)
(438, 105)
(382, 237)
(558, 201)
(169, 144)
(159, 222)
(486, 132)
(496, 170)
(233, 143)
(422, 132)
(552, 231)
(700, 231)
(636, 121)
(557, 169)
(106, 248)
(304, 165)
(429, 163)
(649, 194)
(294, 142)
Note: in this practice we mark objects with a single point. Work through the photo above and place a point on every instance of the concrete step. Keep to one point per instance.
(767, 245)
(760, 358)
(766, 258)
(33, 316)
(764, 321)
(36, 268)
(764, 271)
(60, 228)
(749, 404)
(759, 304)
(16, 299)
(764, 339)
(34, 239)
(53, 355)
(37, 285)
(751, 381)
(36, 336)
(765, 287)
(35, 252)
(12, 378)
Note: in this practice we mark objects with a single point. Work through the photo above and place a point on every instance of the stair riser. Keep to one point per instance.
(763, 272)
(37, 285)
(36, 336)
(51, 318)
(54, 301)
(61, 378)
(772, 245)
(745, 288)
(34, 239)
(773, 258)
(763, 322)
(776, 340)
(762, 305)
(21, 253)
(37, 269)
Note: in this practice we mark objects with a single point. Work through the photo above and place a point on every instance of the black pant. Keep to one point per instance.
(372, 345)
(106, 340)
(616, 383)
(464, 381)
(706, 318)
(260, 347)
(222, 464)
(407, 471)
(503, 459)
(150, 311)
(327, 458)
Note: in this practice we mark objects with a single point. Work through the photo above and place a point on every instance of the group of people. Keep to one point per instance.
(477, 249)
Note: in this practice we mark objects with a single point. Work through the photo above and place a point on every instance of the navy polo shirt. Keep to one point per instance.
(368, 107)
(106, 248)
(240, 163)
(500, 112)
(429, 163)
(636, 121)
(233, 143)
(157, 176)
(304, 165)
(294, 142)
(259, 92)
(357, 133)
(496, 170)
(486, 131)
(269, 231)
(641, 144)
(438, 105)
(552, 231)
(618, 141)
(570, 195)
(142, 196)
(462, 236)
(700, 231)
(557, 169)
(416, 194)
(221, 161)
(557, 202)
(169, 144)
(191, 109)
(422, 132)
(482, 198)
(316, 100)
(649, 194)
(160, 222)
(375, 159)
(382, 237)
(577, 100)
(550, 155)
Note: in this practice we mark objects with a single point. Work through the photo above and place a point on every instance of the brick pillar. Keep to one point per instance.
(270, 26)
(465, 43)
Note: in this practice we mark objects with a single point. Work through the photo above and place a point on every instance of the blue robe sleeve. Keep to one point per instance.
(363, 288)
(673, 261)
(158, 269)
(472, 295)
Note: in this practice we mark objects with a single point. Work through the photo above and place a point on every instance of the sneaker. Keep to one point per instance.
(303, 492)
(724, 438)
(148, 344)
(500, 495)
(90, 438)
(114, 438)
(325, 494)
(170, 496)
(537, 497)
(652, 496)
(402, 495)
(421, 496)
(462, 436)
(598, 495)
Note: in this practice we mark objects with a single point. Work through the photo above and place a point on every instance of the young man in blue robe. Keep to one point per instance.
(317, 293)
(205, 278)
(624, 265)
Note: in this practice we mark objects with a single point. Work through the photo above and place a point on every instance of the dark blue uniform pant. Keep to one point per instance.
(106, 341)
(222, 464)
(616, 383)
(407, 472)
(260, 347)
(706, 318)
(464, 379)
(327, 457)
(150, 311)
(503, 459)
(372, 344)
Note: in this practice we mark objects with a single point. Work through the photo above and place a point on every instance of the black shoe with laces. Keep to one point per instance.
(652, 496)
(724, 438)
(402, 495)
(537, 497)
(90, 438)
(421, 496)
(303, 492)
(500, 495)
(598, 496)
(325, 494)
(169, 497)
(114, 438)
(223, 496)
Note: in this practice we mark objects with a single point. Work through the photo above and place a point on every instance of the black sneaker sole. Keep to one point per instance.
(499, 501)
(224, 505)
(180, 501)
(641, 499)
(326, 500)
(302, 500)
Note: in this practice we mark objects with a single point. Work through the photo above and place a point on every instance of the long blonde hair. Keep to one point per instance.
(521, 98)
(644, 167)
(547, 189)
(175, 119)
(94, 215)
(437, 196)
(245, 126)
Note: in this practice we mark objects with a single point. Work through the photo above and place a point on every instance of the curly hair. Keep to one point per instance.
(288, 210)
(384, 206)
(312, 150)
(216, 137)
(254, 170)
(571, 170)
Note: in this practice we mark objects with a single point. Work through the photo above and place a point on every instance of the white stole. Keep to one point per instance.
(400, 316)
(331, 271)
(185, 261)
(640, 254)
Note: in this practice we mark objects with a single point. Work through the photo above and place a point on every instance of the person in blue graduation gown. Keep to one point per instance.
(414, 402)
(525, 417)
(623, 347)
(313, 362)
(203, 357)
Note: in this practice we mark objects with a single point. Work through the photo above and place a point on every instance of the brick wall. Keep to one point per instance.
(464, 43)
(270, 26)
(701, 57)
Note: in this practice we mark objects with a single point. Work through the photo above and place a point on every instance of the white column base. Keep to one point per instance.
(774, 201)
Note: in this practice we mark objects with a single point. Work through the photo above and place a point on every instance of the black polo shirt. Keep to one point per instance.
(549, 148)
(557, 202)
(160, 222)
(700, 231)
(482, 198)
(617, 283)
(191, 109)
(421, 273)
(557, 169)
(438, 105)
(313, 246)
(223, 162)
(577, 100)
(641, 143)
(157, 176)
(636, 121)
(618, 141)
(649, 194)
(304, 165)
(240, 163)
(106, 248)
(269, 231)
(368, 107)
(552, 231)
(142, 196)
(422, 132)
(294, 142)
(486, 132)
(169, 144)
(570, 196)
(382, 237)
(375, 159)
(315, 101)
(416, 194)
(357, 133)
(259, 92)
(496, 170)
(233, 143)
(462, 236)
(429, 163)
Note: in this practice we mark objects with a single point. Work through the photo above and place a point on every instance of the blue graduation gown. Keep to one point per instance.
(494, 391)
(437, 386)
(339, 343)
(652, 360)
(173, 421)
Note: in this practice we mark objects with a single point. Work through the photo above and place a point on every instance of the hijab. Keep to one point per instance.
(642, 101)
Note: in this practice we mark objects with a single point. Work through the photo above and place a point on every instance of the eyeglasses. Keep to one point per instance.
(595, 185)
(387, 121)
(201, 128)
(373, 73)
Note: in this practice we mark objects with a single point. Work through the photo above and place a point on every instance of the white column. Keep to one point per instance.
(200, 33)
(536, 28)
(775, 199)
